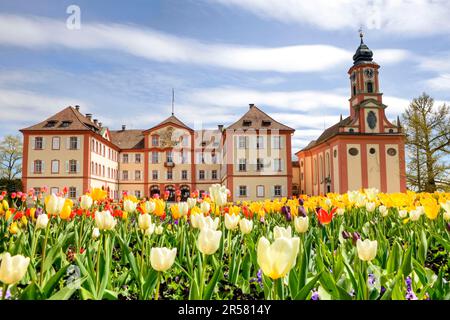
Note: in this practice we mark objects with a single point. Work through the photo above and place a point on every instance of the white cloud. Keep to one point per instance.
(402, 17)
(41, 33)
(439, 83)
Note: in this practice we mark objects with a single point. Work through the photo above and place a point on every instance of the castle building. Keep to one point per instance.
(362, 150)
(252, 157)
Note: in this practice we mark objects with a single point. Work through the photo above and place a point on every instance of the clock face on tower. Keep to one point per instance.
(369, 73)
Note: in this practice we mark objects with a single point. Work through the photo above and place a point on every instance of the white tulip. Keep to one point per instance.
(95, 233)
(196, 220)
(162, 259)
(231, 221)
(54, 204)
(183, 207)
(159, 230)
(278, 258)
(129, 206)
(370, 206)
(280, 232)
(149, 206)
(246, 225)
(383, 210)
(371, 193)
(205, 207)
(218, 194)
(414, 215)
(144, 221)
(42, 221)
(104, 220)
(340, 211)
(301, 224)
(209, 241)
(86, 202)
(191, 202)
(446, 207)
(367, 250)
(149, 231)
(209, 223)
(13, 269)
(402, 213)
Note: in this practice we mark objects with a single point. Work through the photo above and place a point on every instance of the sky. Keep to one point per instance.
(119, 60)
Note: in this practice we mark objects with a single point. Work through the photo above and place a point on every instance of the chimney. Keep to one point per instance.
(95, 121)
(77, 107)
(220, 126)
(251, 105)
(89, 116)
(124, 127)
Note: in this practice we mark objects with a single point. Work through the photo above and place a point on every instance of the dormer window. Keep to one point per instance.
(266, 123)
(51, 124)
(247, 123)
(65, 124)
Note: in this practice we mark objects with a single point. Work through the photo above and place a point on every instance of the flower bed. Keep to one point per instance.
(359, 245)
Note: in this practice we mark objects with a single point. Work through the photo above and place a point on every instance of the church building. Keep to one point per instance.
(363, 150)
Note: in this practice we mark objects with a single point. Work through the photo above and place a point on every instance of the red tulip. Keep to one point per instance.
(325, 217)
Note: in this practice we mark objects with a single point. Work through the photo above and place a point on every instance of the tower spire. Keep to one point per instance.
(361, 34)
(173, 101)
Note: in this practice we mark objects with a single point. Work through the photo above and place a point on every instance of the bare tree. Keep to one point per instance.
(428, 144)
(10, 157)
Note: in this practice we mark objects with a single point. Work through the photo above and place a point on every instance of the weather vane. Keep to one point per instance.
(361, 34)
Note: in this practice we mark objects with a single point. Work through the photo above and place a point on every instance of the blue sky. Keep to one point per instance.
(288, 57)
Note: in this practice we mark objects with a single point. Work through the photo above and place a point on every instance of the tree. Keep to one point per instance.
(428, 144)
(10, 157)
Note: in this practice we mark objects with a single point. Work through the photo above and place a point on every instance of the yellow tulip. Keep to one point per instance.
(98, 194)
(14, 228)
(278, 258)
(5, 205)
(65, 212)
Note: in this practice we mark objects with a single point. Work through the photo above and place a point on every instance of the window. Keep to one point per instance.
(242, 191)
(369, 87)
(155, 157)
(125, 158)
(276, 142)
(242, 142)
(353, 151)
(55, 143)
(51, 124)
(259, 164)
(37, 166)
(169, 174)
(125, 175)
(72, 192)
(354, 90)
(214, 157)
(242, 165)
(137, 193)
(65, 124)
(260, 191)
(183, 156)
(247, 123)
(277, 191)
(55, 166)
(184, 175)
(214, 174)
(155, 141)
(137, 175)
(185, 141)
(73, 166)
(155, 174)
(372, 150)
(169, 156)
(38, 143)
(315, 173)
(277, 164)
(137, 158)
(54, 190)
(259, 142)
(73, 143)
(201, 175)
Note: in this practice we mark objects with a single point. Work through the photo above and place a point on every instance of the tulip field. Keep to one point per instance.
(362, 245)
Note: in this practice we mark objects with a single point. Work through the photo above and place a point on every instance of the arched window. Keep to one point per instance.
(354, 90)
(321, 169)
(369, 87)
(327, 165)
(315, 172)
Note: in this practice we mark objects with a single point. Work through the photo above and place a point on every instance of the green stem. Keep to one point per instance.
(158, 282)
(97, 284)
(80, 239)
(274, 293)
(41, 278)
(202, 285)
(5, 289)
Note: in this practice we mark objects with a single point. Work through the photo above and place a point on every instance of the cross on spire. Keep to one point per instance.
(173, 100)
(361, 34)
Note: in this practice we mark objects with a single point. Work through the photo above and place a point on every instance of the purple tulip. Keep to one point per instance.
(346, 235)
(302, 211)
(315, 295)
(355, 237)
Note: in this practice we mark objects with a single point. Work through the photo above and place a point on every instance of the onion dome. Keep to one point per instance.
(363, 54)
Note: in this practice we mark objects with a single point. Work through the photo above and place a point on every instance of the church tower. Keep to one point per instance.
(366, 103)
